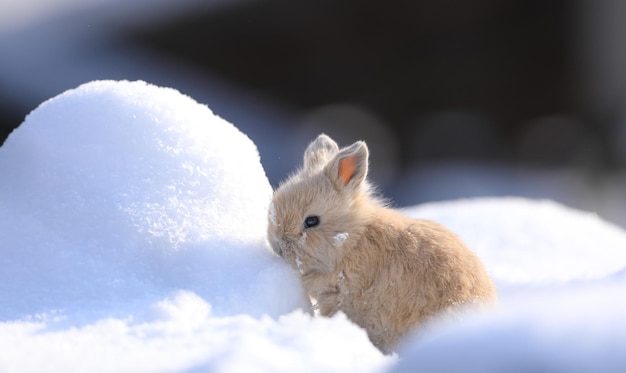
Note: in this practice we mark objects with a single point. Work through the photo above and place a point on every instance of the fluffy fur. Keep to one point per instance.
(388, 273)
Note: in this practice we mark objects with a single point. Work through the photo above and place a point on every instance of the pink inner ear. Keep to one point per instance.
(347, 167)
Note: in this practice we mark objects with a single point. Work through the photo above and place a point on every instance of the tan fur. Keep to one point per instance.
(388, 273)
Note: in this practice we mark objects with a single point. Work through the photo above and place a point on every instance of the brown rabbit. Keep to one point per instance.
(388, 273)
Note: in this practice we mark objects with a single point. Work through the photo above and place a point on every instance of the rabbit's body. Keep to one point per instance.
(388, 273)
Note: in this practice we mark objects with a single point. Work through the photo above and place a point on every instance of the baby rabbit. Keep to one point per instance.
(388, 273)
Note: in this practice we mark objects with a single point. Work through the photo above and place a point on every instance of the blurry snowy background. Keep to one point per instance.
(456, 99)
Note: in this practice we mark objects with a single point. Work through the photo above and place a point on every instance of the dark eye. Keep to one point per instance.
(311, 221)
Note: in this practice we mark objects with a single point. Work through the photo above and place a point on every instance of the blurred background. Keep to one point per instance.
(455, 98)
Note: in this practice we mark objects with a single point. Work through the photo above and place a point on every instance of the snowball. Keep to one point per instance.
(116, 191)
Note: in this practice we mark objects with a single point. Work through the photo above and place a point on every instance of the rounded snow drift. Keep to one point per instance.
(115, 190)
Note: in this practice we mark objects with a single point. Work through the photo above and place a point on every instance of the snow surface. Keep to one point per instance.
(561, 276)
(133, 239)
(526, 242)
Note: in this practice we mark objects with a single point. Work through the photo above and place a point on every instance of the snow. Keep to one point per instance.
(570, 328)
(133, 239)
(561, 275)
(340, 238)
(272, 214)
(526, 242)
(120, 191)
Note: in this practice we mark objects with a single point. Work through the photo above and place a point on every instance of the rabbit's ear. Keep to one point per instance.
(349, 167)
(319, 152)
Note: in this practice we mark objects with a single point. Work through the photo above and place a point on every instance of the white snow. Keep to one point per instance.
(340, 238)
(272, 214)
(132, 233)
(525, 241)
(573, 328)
(561, 275)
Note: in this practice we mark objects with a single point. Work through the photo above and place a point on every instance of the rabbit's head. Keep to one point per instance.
(318, 212)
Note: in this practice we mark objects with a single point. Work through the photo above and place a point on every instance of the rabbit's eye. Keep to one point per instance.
(311, 221)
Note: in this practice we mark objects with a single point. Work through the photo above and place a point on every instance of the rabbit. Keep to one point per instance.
(386, 272)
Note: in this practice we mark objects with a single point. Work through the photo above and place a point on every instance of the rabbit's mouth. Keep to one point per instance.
(301, 261)
(289, 255)
(284, 250)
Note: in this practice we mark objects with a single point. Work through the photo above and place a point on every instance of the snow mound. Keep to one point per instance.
(570, 328)
(523, 242)
(561, 276)
(120, 191)
(179, 334)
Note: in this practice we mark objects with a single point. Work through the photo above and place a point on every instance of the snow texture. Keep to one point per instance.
(532, 242)
(118, 191)
(340, 238)
(133, 239)
(561, 275)
(272, 214)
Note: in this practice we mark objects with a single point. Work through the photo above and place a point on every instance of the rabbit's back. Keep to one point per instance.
(401, 273)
